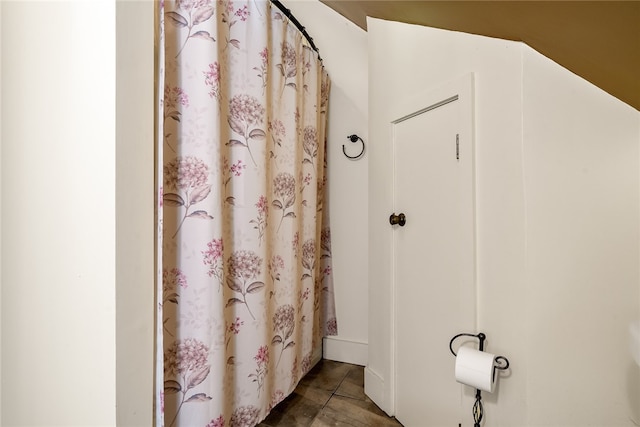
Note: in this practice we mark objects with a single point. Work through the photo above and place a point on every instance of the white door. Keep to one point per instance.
(433, 258)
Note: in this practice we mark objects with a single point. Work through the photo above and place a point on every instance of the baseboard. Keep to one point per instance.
(347, 351)
(374, 388)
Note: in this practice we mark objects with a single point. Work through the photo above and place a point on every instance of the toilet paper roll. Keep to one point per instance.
(475, 368)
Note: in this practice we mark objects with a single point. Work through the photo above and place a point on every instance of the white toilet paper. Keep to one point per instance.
(475, 368)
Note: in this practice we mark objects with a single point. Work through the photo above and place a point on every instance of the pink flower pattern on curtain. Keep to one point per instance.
(245, 291)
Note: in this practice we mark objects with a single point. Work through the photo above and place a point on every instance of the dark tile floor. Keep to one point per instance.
(331, 394)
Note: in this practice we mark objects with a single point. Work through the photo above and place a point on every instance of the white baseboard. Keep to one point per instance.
(374, 388)
(347, 351)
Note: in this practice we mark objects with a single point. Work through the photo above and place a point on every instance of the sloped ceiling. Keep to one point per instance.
(597, 40)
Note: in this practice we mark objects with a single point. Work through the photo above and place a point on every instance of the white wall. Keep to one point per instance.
(135, 224)
(0, 215)
(343, 48)
(557, 224)
(77, 243)
(581, 183)
(58, 228)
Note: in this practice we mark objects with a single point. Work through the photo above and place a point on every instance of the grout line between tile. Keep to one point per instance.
(333, 393)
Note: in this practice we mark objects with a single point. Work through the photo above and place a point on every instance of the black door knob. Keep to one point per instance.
(400, 219)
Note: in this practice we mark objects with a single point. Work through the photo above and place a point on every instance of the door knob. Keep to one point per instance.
(400, 219)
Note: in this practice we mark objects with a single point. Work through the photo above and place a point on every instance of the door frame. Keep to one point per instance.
(423, 101)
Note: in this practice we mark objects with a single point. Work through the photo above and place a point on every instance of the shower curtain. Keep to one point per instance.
(244, 255)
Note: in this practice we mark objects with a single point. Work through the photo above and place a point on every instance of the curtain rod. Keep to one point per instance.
(297, 23)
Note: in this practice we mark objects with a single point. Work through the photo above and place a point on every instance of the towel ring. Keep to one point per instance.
(354, 138)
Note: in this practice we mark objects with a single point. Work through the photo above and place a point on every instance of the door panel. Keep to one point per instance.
(434, 261)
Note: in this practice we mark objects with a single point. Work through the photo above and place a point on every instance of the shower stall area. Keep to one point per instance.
(245, 291)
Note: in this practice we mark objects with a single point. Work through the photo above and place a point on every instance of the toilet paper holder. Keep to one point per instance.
(500, 362)
(503, 362)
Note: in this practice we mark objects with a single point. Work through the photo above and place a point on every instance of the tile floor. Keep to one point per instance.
(331, 394)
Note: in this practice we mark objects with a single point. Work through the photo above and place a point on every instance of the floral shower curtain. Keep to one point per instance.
(244, 279)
